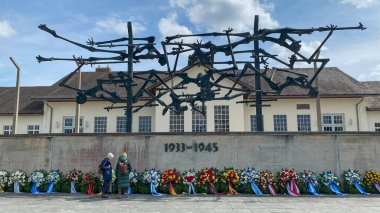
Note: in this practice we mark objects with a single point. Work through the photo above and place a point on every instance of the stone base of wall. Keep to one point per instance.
(314, 151)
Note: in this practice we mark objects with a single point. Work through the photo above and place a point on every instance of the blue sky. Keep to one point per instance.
(355, 52)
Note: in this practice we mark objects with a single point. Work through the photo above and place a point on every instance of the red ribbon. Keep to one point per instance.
(89, 190)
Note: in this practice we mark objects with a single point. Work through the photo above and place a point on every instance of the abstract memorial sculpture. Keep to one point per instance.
(241, 49)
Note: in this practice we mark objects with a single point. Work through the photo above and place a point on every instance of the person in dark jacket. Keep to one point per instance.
(107, 174)
(123, 167)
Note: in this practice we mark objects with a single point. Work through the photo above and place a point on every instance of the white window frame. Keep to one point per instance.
(222, 118)
(71, 129)
(145, 123)
(304, 123)
(100, 124)
(333, 126)
(7, 129)
(253, 120)
(198, 121)
(280, 123)
(33, 129)
(176, 122)
(121, 123)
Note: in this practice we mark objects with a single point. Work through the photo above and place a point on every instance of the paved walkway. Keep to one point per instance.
(10, 202)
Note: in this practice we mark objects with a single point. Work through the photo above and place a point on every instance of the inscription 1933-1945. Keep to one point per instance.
(196, 147)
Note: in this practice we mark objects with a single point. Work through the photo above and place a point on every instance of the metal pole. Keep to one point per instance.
(15, 112)
(259, 110)
(77, 106)
(317, 99)
(128, 112)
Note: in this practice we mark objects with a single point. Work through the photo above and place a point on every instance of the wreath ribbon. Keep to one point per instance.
(171, 190)
(231, 190)
(16, 187)
(256, 189)
(311, 188)
(271, 189)
(89, 190)
(191, 188)
(72, 187)
(154, 191)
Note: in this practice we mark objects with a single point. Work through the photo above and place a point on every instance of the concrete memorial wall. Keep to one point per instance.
(312, 151)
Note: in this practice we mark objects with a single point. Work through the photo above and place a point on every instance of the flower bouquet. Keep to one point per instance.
(352, 179)
(250, 176)
(372, 179)
(288, 178)
(153, 178)
(231, 177)
(309, 179)
(73, 177)
(133, 179)
(267, 182)
(17, 178)
(190, 180)
(209, 177)
(37, 179)
(88, 180)
(52, 178)
(168, 177)
(330, 180)
(4, 179)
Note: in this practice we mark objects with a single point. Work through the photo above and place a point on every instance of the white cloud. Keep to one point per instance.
(6, 30)
(179, 3)
(218, 15)
(169, 27)
(359, 3)
(118, 26)
(372, 75)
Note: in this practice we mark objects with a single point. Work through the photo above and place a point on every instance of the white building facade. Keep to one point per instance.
(343, 101)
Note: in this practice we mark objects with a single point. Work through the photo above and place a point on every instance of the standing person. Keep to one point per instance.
(107, 174)
(123, 167)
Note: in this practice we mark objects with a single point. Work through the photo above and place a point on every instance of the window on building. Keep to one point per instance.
(69, 124)
(333, 122)
(253, 123)
(7, 129)
(145, 123)
(303, 106)
(377, 127)
(199, 121)
(222, 118)
(177, 122)
(280, 124)
(121, 124)
(100, 124)
(303, 122)
(33, 129)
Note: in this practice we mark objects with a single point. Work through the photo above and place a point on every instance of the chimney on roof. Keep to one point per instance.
(103, 69)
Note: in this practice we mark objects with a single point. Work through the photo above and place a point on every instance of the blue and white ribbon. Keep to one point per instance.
(34, 190)
(256, 189)
(72, 188)
(154, 191)
(360, 189)
(312, 189)
(50, 188)
(191, 188)
(16, 187)
(336, 190)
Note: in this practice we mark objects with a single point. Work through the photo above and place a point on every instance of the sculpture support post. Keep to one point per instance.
(259, 110)
(128, 112)
(15, 112)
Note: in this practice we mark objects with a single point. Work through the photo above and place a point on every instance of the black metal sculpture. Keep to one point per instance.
(204, 53)
(209, 82)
